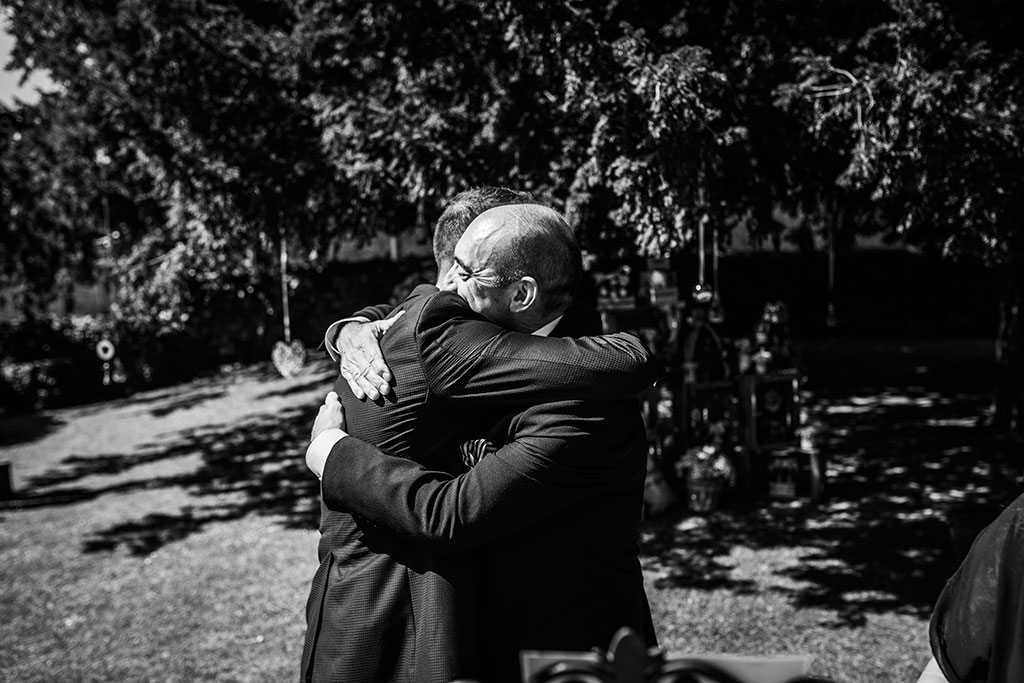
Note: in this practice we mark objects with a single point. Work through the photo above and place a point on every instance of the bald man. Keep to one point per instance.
(382, 608)
(553, 514)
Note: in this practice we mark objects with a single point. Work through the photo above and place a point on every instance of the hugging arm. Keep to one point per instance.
(466, 357)
(561, 454)
(360, 318)
(354, 344)
(521, 484)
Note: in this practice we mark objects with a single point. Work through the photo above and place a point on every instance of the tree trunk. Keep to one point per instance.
(1008, 413)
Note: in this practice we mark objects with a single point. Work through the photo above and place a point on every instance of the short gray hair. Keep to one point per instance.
(465, 207)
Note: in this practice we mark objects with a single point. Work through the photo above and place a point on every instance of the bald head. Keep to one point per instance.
(528, 240)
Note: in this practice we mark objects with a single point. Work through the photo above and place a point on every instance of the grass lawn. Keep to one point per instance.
(171, 536)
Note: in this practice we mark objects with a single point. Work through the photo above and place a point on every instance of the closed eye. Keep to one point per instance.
(462, 271)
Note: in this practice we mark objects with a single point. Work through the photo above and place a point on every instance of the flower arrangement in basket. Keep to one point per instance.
(708, 462)
(707, 468)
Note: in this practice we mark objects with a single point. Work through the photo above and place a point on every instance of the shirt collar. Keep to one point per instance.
(547, 329)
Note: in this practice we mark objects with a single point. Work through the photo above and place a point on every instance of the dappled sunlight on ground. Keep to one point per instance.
(901, 463)
(138, 491)
(225, 447)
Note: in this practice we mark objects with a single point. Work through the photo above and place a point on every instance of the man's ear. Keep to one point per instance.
(448, 281)
(524, 295)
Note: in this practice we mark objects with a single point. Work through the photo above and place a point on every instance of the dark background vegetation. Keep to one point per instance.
(188, 144)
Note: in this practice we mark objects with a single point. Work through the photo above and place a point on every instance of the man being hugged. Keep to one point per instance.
(464, 363)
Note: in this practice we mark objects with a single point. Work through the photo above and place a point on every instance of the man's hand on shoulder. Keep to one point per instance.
(362, 364)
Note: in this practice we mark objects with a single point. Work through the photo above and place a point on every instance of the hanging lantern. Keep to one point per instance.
(105, 351)
(288, 356)
(716, 314)
(831, 321)
(702, 293)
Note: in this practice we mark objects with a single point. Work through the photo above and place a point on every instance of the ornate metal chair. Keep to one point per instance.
(628, 661)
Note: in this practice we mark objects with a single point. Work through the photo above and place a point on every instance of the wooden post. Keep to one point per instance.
(6, 490)
(284, 292)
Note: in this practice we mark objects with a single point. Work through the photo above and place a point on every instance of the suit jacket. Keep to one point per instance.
(554, 512)
(382, 610)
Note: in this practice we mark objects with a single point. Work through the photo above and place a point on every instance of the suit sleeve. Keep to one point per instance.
(374, 313)
(466, 357)
(545, 470)
(369, 314)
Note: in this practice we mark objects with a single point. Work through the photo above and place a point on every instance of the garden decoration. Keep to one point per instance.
(702, 293)
(716, 313)
(703, 353)
(288, 355)
(772, 339)
(613, 289)
(105, 352)
(658, 496)
(629, 660)
(783, 470)
(830, 318)
(707, 469)
(834, 90)
(113, 369)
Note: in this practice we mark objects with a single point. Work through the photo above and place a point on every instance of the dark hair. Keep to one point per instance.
(544, 247)
(464, 207)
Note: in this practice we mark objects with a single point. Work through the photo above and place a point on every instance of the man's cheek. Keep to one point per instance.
(449, 283)
(463, 290)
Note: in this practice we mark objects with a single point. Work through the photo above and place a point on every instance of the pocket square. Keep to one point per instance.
(475, 450)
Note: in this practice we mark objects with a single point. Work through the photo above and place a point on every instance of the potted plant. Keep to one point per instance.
(707, 469)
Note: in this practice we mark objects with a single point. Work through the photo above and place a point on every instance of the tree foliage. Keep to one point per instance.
(931, 112)
(197, 110)
(926, 107)
(230, 126)
(44, 203)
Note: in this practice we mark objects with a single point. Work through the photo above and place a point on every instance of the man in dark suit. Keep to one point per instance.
(381, 609)
(554, 514)
(555, 510)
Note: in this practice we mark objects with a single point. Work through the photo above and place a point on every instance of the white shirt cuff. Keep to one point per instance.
(320, 448)
(332, 334)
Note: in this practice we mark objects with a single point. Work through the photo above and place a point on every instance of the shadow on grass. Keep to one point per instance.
(178, 397)
(18, 429)
(167, 400)
(900, 461)
(189, 400)
(254, 467)
(76, 467)
(322, 380)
